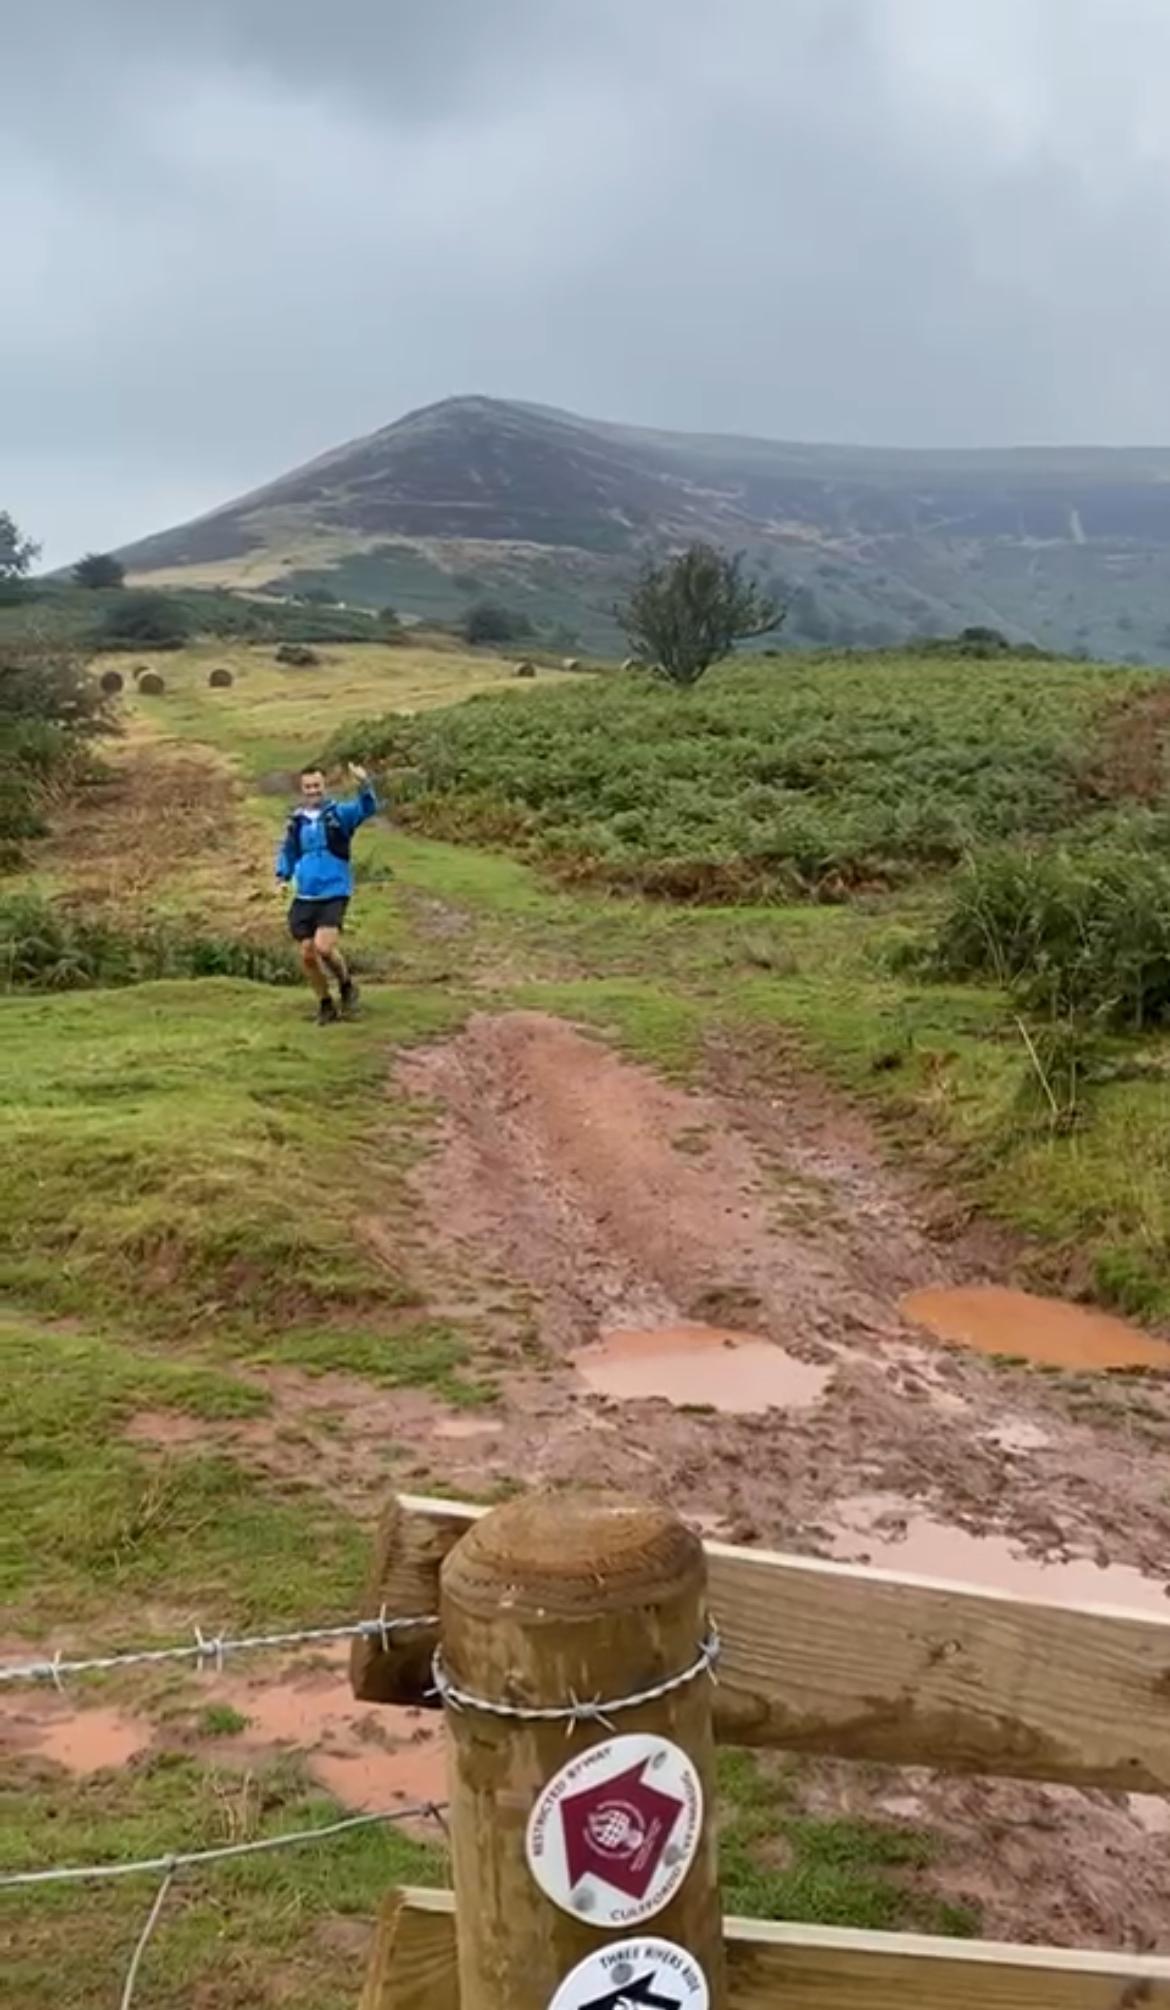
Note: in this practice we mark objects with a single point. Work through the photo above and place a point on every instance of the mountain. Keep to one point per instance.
(480, 498)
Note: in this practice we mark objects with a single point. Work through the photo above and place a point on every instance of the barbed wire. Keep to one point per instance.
(577, 1711)
(204, 1652)
(180, 1860)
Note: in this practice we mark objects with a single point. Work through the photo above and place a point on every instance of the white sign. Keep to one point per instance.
(635, 1975)
(613, 1836)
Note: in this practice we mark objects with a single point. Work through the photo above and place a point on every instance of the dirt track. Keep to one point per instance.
(570, 1193)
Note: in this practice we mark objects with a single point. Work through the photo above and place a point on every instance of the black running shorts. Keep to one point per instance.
(305, 917)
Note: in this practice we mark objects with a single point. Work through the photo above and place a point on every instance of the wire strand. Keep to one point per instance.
(183, 1859)
(202, 1650)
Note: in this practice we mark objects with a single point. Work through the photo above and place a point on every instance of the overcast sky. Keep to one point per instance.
(237, 232)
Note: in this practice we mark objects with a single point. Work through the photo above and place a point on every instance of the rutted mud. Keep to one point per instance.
(575, 1173)
(994, 1320)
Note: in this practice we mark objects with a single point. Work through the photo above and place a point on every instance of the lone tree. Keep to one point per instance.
(97, 569)
(691, 611)
(16, 552)
(488, 622)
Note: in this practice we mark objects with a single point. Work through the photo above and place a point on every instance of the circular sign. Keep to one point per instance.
(613, 1835)
(635, 1975)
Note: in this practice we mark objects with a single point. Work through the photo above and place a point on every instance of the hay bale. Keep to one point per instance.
(221, 680)
(526, 669)
(113, 682)
(570, 663)
(151, 684)
(139, 671)
(633, 663)
(298, 655)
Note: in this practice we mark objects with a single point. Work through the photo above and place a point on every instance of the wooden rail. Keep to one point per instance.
(869, 1664)
(805, 1968)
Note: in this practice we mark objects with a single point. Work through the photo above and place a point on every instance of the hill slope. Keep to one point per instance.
(477, 496)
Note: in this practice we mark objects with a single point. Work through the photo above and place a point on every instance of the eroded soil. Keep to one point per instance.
(572, 1205)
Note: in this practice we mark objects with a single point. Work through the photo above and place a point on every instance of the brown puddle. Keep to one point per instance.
(368, 1756)
(894, 1534)
(995, 1320)
(700, 1365)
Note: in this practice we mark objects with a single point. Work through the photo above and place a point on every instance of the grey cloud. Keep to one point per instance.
(254, 229)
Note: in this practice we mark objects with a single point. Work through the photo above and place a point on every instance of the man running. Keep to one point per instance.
(315, 857)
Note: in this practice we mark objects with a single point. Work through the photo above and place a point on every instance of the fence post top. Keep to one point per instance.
(573, 1554)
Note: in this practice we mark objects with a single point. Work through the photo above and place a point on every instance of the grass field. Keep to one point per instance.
(189, 1170)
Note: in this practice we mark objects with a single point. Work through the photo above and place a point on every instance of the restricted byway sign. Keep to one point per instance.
(613, 1835)
(635, 1975)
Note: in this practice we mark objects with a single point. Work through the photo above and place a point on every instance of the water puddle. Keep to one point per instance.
(368, 1756)
(894, 1534)
(701, 1366)
(995, 1320)
(466, 1427)
(90, 1741)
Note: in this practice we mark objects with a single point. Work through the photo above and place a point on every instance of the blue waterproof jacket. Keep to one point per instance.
(315, 850)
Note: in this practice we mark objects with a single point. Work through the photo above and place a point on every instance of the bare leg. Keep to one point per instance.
(313, 969)
(327, 943)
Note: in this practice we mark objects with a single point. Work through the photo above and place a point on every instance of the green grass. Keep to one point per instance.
(93, 1523)
(241, 1928)
(192, 1154)
(776, 1863)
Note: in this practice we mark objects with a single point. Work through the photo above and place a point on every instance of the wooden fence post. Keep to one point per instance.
(554, 1601)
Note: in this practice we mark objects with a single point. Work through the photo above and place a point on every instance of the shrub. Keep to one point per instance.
(49, 709)
(135, 620)
(488, 622)
(99, 569)
(1080, 933)
(690, 612)
(45, 948)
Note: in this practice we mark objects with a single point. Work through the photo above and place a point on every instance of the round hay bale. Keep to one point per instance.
(113, 682)
(298, 655)
(221, 680)
(140, 670)
(570, 663)
(151, 684)
(526, 669)
(633, 663)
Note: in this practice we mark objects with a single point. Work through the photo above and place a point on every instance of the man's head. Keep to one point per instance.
(312, 788)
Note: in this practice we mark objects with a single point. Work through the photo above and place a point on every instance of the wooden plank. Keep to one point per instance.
(869, 1664)
(780, 1967)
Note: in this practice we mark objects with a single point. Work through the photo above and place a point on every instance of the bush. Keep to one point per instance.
(49, 709)
(488, 622)
(143, 620)
(45, 948)
(1079, 933)
(99, 569)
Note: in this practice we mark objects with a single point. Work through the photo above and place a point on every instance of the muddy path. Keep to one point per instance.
(701, 1294)
(713, 1285)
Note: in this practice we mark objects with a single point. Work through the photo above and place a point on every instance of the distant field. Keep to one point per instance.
(273, 716)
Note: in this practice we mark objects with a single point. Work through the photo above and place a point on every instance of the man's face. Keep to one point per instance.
(312, 788)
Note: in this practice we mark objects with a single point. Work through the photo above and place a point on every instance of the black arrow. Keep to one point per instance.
(637, 1996)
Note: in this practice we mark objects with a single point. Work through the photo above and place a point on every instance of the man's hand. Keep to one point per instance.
(359, 773)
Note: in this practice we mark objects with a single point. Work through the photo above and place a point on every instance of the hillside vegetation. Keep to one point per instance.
(551, 513)
(771, 782)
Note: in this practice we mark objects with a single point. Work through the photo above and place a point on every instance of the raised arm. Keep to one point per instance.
(361, 806)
